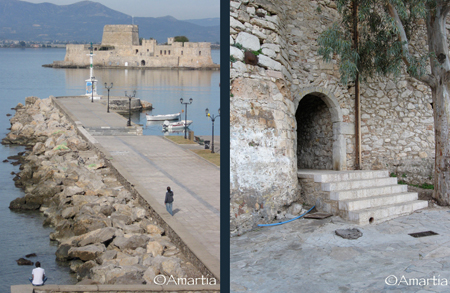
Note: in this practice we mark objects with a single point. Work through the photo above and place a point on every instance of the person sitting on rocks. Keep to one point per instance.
(38, 277)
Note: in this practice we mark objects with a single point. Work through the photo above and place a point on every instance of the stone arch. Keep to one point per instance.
(339, 144)
(143, 62)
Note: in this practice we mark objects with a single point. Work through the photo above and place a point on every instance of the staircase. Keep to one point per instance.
(362, 197)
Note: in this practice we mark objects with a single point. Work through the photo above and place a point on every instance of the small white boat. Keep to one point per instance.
(163, 117)
(176, 125)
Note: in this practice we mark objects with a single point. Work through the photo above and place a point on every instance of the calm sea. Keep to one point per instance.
(21, 75)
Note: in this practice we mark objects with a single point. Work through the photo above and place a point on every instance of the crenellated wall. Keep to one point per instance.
(120, 48)
(290, 111)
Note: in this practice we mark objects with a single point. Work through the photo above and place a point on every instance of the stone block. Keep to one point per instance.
(248, 41)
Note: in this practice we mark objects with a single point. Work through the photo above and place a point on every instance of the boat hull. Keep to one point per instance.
(163, 117)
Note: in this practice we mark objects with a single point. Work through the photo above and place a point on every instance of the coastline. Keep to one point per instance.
(79, 193)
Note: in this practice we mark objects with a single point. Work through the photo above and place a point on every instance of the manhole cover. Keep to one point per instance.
(423, 234)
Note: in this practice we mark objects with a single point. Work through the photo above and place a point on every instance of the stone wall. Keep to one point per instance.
(120, 35)
(397, 124)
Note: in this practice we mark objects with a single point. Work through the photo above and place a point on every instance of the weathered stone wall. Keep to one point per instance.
(120, 35)
(397, 124)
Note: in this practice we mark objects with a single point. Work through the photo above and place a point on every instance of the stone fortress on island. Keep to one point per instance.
(121, 47)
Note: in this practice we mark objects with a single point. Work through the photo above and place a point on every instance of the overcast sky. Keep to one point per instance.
(180, 9)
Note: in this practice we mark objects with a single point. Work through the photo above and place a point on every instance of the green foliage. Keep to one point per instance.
(106, 48)
(404, 175)
(231, 95)
(319, 9)
(239, 46)
(232, 59)
(393, 174)
(402, 182)
(181, 39)
(427, 186)
(256, 53)
(380, 50)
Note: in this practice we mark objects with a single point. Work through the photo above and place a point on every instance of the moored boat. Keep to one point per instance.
(175, 125)
(163, 117)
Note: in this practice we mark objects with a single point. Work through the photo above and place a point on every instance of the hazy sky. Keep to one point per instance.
(180, 9)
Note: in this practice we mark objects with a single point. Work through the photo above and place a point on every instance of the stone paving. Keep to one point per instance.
(306, 256)
(157, 163)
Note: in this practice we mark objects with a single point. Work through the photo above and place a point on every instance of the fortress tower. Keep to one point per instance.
(120, 35)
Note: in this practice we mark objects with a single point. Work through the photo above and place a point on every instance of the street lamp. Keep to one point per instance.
(92, 89)
(108, 88)
(129, 106)
(213, 118)
(185, 115)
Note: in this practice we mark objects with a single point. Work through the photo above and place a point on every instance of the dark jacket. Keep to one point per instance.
(169, 197)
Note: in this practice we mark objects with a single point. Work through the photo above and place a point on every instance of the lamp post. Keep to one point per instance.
(185, 114)
(108, 88)
(129, 106)
(92, 89)
(213, 118)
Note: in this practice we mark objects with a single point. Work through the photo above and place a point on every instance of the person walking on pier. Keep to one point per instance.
(169, 200)
(38, 277)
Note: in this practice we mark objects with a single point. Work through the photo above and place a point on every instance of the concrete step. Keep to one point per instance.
(384, 213)
(358, 184)
(376, 201)
(366, 192)
(350, 175)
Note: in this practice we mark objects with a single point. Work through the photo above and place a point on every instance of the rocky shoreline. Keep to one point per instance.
(104, 233)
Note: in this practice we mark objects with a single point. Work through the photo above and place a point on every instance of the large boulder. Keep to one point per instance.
(84, 270)
(70, 212)
(150, 274)
(62, 253)
(88, 252)
(28, 202)
(172, 267)
(108, 255)
(155, 248)
(97, 236)
(110, 274)
(132, 242)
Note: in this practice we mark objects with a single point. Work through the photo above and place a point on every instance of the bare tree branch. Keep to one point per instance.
(402, 34)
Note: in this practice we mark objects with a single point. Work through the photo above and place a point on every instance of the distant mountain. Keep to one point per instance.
(205, 21)
(84, 22)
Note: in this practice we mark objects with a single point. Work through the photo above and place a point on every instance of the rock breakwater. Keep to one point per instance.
(102, 230)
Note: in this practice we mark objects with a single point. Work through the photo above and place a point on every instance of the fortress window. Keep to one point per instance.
(181, 52)
(137, 51)
(95, 49)
(143, 62)
(147, 50)
(169, 52)
(165, 52)
(199, 53)
(160, 52)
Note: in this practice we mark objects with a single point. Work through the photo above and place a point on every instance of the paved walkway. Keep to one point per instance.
(157, 163)
(306, 256)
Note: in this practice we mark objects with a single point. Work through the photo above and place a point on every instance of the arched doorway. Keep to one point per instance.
(320, 142)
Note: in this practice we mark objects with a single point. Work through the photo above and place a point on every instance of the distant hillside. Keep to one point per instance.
(205, 21)
(84, 22)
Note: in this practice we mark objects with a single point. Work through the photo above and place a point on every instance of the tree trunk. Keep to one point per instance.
(437, 44)
(441, 113)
